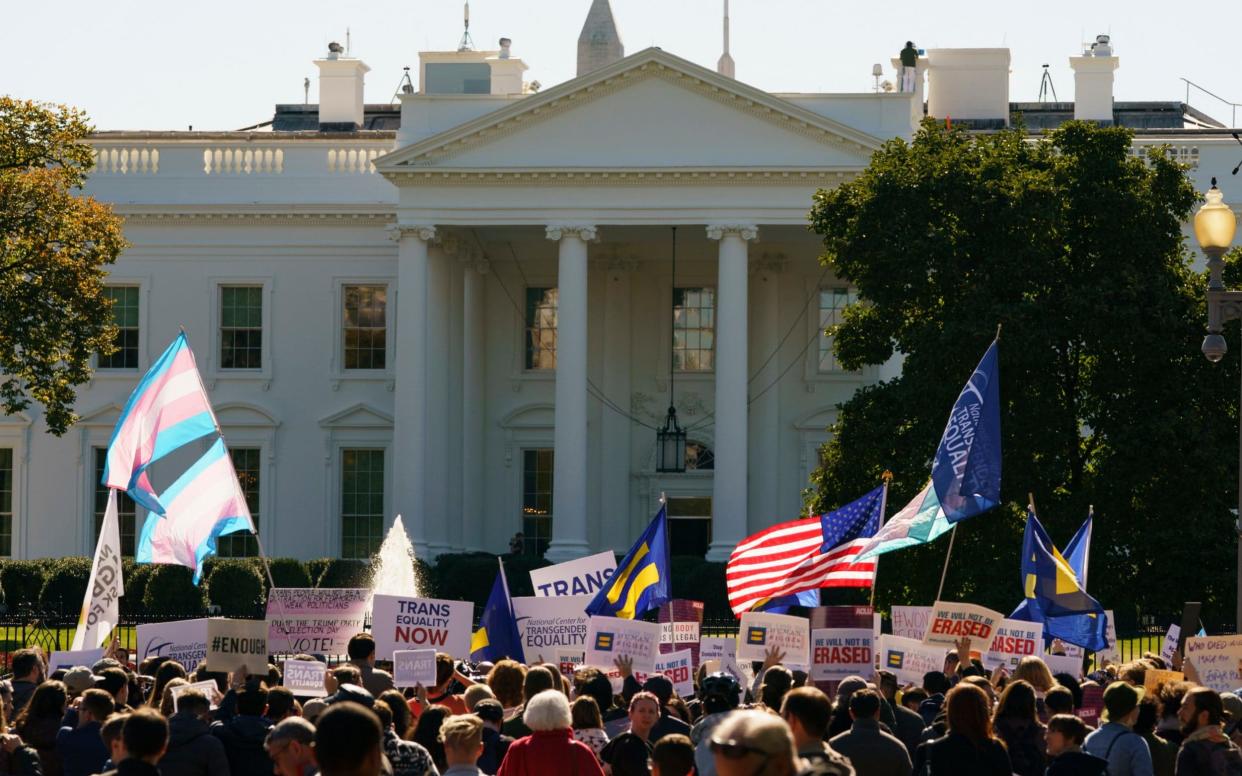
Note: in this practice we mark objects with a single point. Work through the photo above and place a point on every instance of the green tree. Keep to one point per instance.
(1075, 246)
(54, 246)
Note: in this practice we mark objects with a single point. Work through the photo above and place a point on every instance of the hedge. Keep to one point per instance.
(22, 581)
(136, 576)
(65, 584)
(290, 572)
(171, 590)
(343, 572)
(235, 586)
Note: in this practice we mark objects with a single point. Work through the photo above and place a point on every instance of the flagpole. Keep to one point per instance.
(887, 476)
(945, 571)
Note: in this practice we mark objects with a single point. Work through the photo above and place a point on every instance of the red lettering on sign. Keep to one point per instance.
(420, 635)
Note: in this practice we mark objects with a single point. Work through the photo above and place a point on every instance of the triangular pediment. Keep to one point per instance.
(106, 415)
(360, 415)
(651, 110)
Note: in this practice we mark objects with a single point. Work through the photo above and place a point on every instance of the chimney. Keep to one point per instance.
(507, 70)
(340, 91)
(1093, 81)
(969, 84)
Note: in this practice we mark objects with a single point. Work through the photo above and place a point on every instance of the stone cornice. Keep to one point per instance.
(163, 214)
(421, 231)
(747, 232)
(669, 176)
(584, 232)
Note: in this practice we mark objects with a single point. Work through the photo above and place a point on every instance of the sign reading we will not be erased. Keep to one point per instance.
(953, 621)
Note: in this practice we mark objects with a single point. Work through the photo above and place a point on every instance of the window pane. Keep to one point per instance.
(689, 526)
(6, 501)
(124, 301)
(362, 502)
(693, 332)
(242, 544)
(126, 509)
(832, 304)
(364, 324)
(536, 501)
(241, 327)
(541, 328)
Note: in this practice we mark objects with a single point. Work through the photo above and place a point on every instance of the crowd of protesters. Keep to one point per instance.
(513, 719)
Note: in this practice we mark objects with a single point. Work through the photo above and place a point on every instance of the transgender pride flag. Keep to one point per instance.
(204, 503)
(168, 409)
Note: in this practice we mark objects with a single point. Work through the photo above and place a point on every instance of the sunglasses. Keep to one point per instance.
(733, 750)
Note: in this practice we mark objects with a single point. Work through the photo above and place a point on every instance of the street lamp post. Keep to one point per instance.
(1215, 224)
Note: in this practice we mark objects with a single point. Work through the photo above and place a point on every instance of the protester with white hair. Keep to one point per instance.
(550, 748)
(754, 743)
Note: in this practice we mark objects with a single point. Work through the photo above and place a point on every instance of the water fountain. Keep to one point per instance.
(394, 566)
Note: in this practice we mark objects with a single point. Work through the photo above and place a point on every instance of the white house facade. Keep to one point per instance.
(465, 311)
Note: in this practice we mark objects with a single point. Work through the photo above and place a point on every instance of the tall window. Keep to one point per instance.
(536, 501)
(362, 502)
(6, 501)
(832, 304)
(541, 328)
(242, 544)
(125, 315)
(365, 327)
(694, 329)
(689, 526)
(126, 510)
(241, 327)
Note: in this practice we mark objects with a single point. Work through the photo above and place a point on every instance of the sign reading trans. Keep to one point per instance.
(584, 576)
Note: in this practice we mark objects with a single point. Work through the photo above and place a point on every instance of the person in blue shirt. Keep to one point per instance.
(82, 750)
(1126, 751)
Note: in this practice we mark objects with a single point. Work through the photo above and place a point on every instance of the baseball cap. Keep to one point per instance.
(1120, 698)
(79, 679)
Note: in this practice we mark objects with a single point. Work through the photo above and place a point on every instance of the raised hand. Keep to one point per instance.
(624, 664)
(772, 656)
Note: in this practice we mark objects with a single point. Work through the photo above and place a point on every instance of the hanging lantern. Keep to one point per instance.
(671, 445)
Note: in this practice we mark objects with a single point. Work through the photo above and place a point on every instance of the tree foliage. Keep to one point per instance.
(1075, 246)
(54, 246)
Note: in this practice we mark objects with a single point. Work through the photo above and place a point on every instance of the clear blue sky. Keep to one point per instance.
(141, 64)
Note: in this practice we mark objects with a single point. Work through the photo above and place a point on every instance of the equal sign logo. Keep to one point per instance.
(757, 635)
(896, 659)
(603, 642)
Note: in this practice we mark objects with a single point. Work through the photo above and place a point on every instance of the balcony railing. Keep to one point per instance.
(236, 158)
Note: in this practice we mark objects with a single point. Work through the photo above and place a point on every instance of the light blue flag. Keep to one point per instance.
(966, 472)
(782, 604)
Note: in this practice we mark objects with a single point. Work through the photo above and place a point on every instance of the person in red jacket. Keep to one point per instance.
(550, 748)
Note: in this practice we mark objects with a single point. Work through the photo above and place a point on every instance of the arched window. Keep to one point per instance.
(699, 457)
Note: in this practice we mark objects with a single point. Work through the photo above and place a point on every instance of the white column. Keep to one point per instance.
(474, 377)
(765, 491)
(435, 441)
(569, 467)
(410, 399)
(616, 431)
(729, 499)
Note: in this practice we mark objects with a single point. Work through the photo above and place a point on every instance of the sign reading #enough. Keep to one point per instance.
(398, 622)
(951, 622)
(760, 632)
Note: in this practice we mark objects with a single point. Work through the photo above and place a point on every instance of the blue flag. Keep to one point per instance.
(1078, 550)
(966, 472)
(782, 604)
(497, 637)
(641, 582)
(1054, 593)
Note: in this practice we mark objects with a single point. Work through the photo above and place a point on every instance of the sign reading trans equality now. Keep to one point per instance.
(584, 576)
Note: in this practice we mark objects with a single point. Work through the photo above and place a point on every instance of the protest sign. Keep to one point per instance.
(1112, 652)
(304, 677)
(841, 617)
(716, 647)
(1189, 625)
(73, 658)
(1154, 677)
(545, 624)
(1014, 640)
(398, 622)
(681, 626)
(207, 687)
(611, 637)
(674, 633)
(1170, 643)
(1092, 705)
(840, 652)
(759, 632)
(952, 621)
(411, 667)
(677, 667)
(182, 640)
(909, 659)
(317, 621)
(232, 644)
(584, 576)
(568, 659)
(1216, 660)
(1064, 664)
(910, 622)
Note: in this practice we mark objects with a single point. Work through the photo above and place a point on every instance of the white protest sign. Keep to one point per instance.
(1064, 664)
(1014, 640)
(182, 640)
(1112, 652)
(716, 647)
(412, 667)
(304, 677)
(545, 624)
(910, 622)
(840, 652)
(741, 672)
(232, 644)
(611, 637)
(398, 622)
(683, 632)
(676, 666)
(1216, 660)
(73, 658)
(568, 659)
(760, 631)
(952, 621)
(207, 687)
(314, 620)
(909, 659)
(1170, 643)
(584, 576)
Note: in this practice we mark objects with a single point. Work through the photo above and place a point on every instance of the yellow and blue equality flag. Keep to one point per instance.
(642, 580)
(497, 637)
(1055, 588)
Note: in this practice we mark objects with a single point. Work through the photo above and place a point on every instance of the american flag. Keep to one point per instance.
(805, 554)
